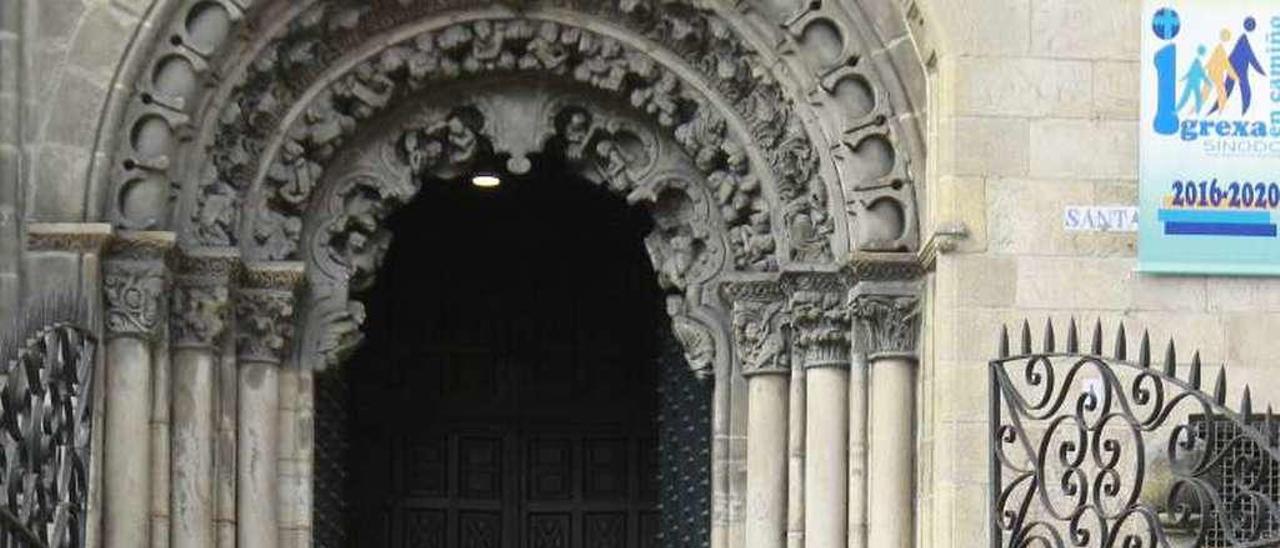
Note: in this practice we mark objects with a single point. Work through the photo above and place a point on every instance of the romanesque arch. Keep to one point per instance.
(264, 145)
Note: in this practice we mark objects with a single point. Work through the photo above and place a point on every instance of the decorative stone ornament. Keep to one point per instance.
(135, 283)
(201, 297)
(264, 309)
(695, 337)
(761, 326)
(887, 315)
(820, 319)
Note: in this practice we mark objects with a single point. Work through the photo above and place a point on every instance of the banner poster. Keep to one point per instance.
(1209, 167)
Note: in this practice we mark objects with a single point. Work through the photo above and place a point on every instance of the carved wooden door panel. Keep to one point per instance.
(521, 481)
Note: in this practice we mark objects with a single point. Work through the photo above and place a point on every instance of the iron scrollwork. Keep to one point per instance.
(45, 420)
(1094, 450)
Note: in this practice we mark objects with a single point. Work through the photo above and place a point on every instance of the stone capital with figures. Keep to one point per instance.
(265, 309)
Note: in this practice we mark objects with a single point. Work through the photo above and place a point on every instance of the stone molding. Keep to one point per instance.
(83, 238)
(887, 316)
(135, 282)
(761, 325)
(202, 296)
(265, 311)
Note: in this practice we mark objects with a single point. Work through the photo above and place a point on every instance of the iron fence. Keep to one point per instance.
(1099, 450)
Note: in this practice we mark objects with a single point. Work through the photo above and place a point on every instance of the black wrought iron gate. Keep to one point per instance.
(1094, 449)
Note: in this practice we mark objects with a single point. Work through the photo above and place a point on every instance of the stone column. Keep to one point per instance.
(821, 338)
(760, 344)
(201, 314)
(858, 449)
(888, 318)
(264, 330)
(134, 293)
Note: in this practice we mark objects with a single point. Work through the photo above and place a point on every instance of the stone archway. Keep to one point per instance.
(273, 140)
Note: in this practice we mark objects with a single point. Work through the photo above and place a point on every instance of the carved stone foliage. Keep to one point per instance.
(265, 310)
(264, 325)
(292, 63)
(46, 420)
(199, 314)
(761, 327)
(133, 296)
(442, 137)
(200, 303)
(887, 323)
(821, 327)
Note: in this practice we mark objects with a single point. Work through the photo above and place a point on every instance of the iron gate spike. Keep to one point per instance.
(1193, 378)
(1026, 337)
(1122, 350)
(1073, 342)
(1002, 349)
(1048, 342)
(1171, 361)
(1144, 351)
(1220, 387)
(1097, 338)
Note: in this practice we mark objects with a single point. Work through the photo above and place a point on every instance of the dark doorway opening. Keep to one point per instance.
(516, 383)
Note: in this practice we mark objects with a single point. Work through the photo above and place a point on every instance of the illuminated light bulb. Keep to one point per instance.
(485, 180)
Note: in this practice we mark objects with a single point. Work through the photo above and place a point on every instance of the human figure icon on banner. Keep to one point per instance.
(1220, 70)
(1243, 60)
(1196, 82)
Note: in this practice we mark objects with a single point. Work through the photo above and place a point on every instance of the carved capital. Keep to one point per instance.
(819, 318)
(265, 309)
(135, 279)
(201, 298)
(761, 326)
(887, 315)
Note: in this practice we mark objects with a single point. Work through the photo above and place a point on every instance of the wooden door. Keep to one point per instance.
(507, 397)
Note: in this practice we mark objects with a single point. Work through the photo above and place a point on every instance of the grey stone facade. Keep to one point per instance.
(798, 158)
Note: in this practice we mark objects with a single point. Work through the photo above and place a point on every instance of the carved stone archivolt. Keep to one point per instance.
(887, 315)
(265, 152)
(517, 46)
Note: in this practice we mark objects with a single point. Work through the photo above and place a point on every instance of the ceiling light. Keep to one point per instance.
(486, 180)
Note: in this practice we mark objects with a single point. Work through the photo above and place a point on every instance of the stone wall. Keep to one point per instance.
(1035, 107)
(59, 64)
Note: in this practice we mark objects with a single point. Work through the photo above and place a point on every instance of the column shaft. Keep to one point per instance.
(891, 472)
(826, 458)
(796, 460)
(858, 452)
(766, 460)
(127, 470)
(258, 433)
(192, 503)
